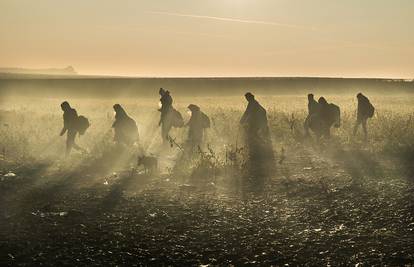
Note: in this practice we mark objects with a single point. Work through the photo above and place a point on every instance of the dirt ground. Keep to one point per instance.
(332, 207)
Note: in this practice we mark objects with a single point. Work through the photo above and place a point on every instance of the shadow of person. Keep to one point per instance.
(112, 157)
(115, 194)
(358, 163)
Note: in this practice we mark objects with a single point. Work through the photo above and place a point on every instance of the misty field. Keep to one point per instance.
(341, 201)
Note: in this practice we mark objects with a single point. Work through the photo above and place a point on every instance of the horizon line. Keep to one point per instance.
(79, 75)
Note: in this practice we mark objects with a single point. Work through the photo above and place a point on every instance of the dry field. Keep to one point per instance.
(339, 202)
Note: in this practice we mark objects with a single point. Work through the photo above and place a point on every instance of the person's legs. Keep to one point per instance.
(75, 146)
(197, 138)
(364, 127)
(357, 123)
(165, 129)
(163, 132)
(327, 131)
(165, 126)
(306, 125)
(70, 141)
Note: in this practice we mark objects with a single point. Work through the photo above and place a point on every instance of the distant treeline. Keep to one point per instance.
(84, 86)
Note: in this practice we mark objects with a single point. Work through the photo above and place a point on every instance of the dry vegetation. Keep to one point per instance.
(342, 201)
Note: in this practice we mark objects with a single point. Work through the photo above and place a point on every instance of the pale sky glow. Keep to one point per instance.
(343, 38)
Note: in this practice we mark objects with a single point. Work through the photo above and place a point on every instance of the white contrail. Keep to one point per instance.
(231, 20)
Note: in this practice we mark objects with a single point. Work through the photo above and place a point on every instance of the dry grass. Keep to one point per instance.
(30, 127)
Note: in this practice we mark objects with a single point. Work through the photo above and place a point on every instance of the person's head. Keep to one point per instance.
(167, 92)
(322, 101)
(360, 95)
(161, 91)
(193, 108)
(117, 107)
(310, 97)
(249, 96)
(65, 106)
(119, 110)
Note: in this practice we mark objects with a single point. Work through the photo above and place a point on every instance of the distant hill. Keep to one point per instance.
(69, 70)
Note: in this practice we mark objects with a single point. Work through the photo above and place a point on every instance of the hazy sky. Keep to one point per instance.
(348, 38)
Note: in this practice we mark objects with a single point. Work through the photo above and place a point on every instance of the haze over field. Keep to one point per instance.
(371, 38)
(206, 133)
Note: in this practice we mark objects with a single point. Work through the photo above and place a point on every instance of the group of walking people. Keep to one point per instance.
(321, 117)
(126, 130)
(170, 117)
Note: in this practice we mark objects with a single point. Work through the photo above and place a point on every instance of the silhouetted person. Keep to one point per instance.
(197, 123)
(254, 119)
(125, 128)
(365, 111)
(170, 117)
(70, 125)
(257, 139)
(313, 108)
(165, 109)
(313, 105)
(166, 103)
(330, 114)
(323, 109)
(327, 115)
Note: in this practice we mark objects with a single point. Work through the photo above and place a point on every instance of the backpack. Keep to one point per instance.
(205, 120)
(82, 125)
(176, 119)
(370, 110)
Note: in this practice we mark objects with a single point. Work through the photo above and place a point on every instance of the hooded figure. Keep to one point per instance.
(197, 123)
(70, 125)
(257, 139)
(365, 111)
(254, 119)
(324, 110)
(313, 108)
(125, 128)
